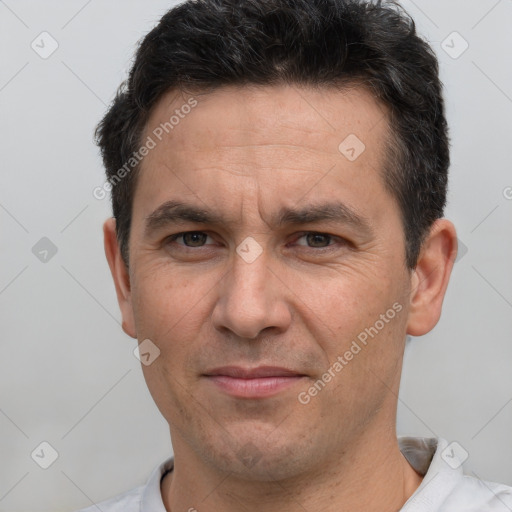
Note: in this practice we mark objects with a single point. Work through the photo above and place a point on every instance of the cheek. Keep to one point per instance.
(364, 363)
(170, 310)
(168, 306)
(344, 302)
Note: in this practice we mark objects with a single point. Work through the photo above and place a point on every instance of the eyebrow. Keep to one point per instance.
(177, 212)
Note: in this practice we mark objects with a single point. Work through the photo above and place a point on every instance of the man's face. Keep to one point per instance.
(259, 286)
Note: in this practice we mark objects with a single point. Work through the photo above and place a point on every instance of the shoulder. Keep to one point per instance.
(474, 494)
(126, 502)
(144, 497)
(445, 487)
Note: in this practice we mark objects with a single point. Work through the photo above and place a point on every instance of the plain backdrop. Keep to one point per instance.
(68, 375)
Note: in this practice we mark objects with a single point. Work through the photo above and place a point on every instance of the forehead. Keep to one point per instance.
(286, 140)
(269, 115)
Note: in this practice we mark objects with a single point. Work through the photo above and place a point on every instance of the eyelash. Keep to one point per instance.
(173, 238)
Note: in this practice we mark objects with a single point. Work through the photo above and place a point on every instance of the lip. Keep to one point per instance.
(260, 382)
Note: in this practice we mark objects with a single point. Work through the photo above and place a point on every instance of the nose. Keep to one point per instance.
(251, 299)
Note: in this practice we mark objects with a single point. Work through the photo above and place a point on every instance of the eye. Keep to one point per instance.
(190, 238)
(312, 239)
(317, 240)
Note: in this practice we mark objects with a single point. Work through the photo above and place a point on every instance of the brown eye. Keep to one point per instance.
(194, 238)
(316, 240)
(190, 238)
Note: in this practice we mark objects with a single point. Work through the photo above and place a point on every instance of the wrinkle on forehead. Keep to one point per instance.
(270, 116)
(283, 144)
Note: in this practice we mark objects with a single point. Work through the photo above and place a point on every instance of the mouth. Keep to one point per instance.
(260, 382)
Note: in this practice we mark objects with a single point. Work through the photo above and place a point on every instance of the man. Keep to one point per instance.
(278, 172)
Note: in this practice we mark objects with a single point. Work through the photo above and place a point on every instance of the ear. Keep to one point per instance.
(429, 279)
(120, 275)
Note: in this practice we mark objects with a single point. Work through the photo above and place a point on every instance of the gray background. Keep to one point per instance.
(67, 371)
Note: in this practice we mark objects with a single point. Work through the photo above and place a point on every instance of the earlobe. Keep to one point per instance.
(120, 276)
(430, 278)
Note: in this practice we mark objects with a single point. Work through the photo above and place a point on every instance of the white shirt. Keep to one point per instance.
(444, 487)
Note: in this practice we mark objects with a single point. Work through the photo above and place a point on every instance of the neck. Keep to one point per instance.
(367, 476)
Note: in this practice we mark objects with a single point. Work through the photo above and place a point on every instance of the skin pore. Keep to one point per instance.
(252, 162)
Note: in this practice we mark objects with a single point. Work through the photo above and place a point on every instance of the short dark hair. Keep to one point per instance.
(205, 44)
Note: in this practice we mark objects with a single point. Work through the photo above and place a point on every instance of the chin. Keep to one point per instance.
(259, 456)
